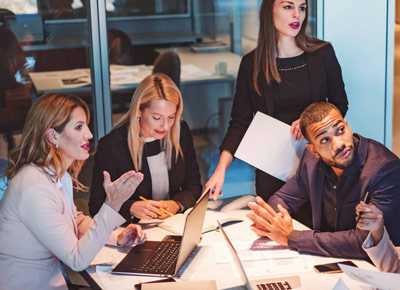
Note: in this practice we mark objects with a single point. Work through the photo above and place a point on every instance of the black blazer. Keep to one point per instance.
(113, 156)
(326, 81)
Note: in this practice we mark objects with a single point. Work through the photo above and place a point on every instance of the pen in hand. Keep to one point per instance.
(162, 209)
(365, 201)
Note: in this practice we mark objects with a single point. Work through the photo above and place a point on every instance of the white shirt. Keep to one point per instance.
(159, 174)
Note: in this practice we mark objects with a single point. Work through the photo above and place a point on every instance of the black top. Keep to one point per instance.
(325, 82)
(294, 93)
(113, 156)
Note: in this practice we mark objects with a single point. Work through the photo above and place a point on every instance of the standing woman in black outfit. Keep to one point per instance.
(286, 72)
(150, 138)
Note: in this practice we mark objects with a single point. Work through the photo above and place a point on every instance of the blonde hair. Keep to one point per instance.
(49, 111)
(154, 87)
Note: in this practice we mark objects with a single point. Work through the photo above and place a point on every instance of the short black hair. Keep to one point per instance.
(314, 113)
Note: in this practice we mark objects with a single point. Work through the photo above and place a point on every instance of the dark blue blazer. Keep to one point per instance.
(376, 169)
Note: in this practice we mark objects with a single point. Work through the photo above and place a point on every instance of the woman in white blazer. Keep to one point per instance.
(39, 223)
(378, 245)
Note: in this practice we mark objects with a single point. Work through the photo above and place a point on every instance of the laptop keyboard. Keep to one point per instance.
(165, 255)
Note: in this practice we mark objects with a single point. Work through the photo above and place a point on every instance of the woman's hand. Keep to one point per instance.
(131, 235)
(146, 209)
(121, 189)
(370, 218)
(215, 183)
(295, 130)
(170, 205)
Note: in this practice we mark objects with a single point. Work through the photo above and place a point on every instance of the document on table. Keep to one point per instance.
(264, 268)
(184, 285)
(261, 249)
(61, 79)
(190, 71)
(120, 282)
(381, 280)
(269, 146)
(128, 74)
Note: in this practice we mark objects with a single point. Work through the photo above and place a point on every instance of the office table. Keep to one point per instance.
(203, 63)
(201, 264)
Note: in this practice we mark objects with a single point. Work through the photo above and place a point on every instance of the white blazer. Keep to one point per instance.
(385, 256)
(38, 228)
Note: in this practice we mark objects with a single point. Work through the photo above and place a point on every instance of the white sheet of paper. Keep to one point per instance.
(381, 280)
(266, 268)
(120, 282)
(246, 253)
(269, 146)
(340, 285)
(184, 285)
(191, 71)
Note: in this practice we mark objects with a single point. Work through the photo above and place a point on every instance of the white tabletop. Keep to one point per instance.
(195, 68)
(201, 265)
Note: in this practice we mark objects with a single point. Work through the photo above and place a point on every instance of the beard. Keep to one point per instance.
(344, 164)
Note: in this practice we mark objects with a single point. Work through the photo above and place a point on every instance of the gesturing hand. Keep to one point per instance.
(131, 235)
(121, 189)
(267, 222)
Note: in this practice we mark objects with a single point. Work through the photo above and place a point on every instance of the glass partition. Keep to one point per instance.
(209, 37)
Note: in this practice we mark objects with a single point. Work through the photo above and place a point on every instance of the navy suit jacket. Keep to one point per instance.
(376, 169)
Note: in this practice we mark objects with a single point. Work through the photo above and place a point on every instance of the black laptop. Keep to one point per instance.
(165, 258)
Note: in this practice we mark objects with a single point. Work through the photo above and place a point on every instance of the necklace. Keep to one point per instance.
(292, 68)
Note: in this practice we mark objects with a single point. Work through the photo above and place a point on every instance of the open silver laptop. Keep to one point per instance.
(291, 282)
(165, 258)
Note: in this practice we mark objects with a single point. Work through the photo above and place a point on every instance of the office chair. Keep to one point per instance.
(12, 116)
(169, 63)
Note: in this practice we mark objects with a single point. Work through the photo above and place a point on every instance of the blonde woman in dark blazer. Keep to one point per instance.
(39, 224)
(150, 138)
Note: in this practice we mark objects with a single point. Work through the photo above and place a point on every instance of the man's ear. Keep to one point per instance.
(310, 147)
(52, 136)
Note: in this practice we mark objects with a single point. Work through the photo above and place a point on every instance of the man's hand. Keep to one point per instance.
(370, 218)
(267, 222)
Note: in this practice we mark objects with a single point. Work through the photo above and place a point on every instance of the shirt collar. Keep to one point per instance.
(64, 185)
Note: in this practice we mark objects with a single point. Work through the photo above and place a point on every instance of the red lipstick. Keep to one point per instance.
(86, 146)
(295, 25)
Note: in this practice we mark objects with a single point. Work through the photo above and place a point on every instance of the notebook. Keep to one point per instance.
(290, 282)
(165, 258)
(175, 224)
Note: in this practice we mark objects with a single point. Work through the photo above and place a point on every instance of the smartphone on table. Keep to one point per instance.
(332, 267)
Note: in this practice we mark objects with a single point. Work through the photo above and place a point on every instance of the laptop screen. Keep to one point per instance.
(193, 228)
(236, 259)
